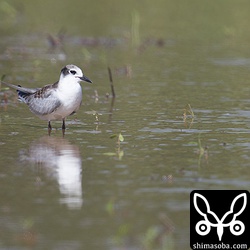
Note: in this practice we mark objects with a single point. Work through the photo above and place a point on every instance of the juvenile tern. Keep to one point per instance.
(55, 101)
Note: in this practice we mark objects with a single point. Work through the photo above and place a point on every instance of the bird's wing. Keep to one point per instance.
(22, 89)
(43, 101)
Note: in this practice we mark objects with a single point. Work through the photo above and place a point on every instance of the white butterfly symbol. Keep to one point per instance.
(203, 227)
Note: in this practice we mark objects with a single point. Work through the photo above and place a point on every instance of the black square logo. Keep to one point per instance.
(220, 219)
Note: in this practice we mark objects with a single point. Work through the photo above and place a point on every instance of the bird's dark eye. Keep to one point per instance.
(73, 72)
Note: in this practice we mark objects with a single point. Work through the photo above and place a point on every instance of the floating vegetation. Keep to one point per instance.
(58, 45)
(167, 178)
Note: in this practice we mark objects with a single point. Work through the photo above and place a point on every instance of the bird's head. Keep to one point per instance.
(72, 72)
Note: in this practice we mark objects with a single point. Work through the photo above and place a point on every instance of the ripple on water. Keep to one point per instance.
(172, 130)
(230, 61)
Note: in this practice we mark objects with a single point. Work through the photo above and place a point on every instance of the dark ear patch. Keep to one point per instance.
(64, 71)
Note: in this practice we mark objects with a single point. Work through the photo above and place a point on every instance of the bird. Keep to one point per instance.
(55, 101)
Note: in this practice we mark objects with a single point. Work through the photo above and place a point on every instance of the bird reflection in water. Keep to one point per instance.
(62, 161)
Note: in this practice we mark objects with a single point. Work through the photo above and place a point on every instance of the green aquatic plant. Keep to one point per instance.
(122, 233)
(119, 137)
(202, 151)
(118, 152)
(160, 236)
(2, 78)
(94, 113)
(188, 116)
(135, 35)
(110, 206)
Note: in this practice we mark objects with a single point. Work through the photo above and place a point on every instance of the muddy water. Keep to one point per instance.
(181, 77)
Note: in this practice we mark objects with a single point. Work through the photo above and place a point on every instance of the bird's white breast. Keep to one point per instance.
(70, 96)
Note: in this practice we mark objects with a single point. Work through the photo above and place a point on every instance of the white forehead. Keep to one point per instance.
(66, 70)
(71, 66)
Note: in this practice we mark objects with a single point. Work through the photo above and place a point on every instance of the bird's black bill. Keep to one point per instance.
(86, 79)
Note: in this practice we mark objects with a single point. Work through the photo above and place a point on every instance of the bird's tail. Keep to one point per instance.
(22, 89)
(22, 92)
(22, 95)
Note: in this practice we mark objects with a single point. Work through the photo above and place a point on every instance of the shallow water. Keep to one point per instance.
(182, 107)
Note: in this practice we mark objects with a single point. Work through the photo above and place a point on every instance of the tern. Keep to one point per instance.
(55, 101)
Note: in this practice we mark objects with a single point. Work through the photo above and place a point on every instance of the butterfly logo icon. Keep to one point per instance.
(203, 227)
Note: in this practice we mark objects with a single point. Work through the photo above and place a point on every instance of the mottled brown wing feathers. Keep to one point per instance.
(43, 101)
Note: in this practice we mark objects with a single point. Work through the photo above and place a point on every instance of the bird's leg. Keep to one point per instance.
(63, 127)
(49, 128)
